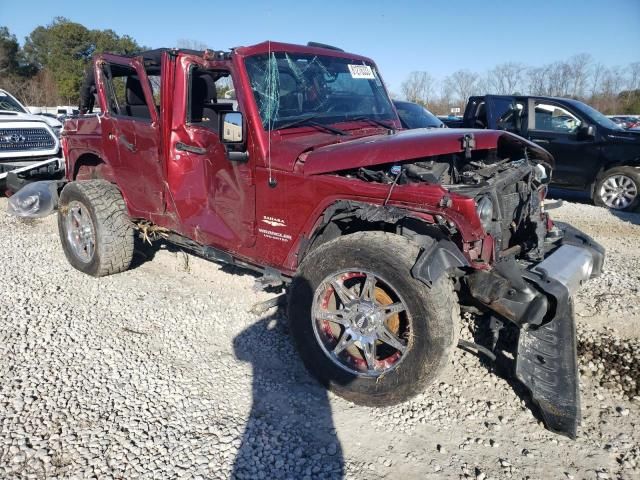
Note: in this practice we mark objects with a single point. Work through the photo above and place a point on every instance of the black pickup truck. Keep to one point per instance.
(591, 152)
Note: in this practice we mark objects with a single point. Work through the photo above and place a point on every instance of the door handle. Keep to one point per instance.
(183, 147)
(129, 146)
(540, 140)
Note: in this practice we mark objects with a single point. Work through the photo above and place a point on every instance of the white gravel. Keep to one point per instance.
(160, 372)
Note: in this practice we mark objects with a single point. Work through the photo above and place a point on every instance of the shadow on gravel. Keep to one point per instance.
(569, 195)
(290, 431)
(583, 197)
(633, 218)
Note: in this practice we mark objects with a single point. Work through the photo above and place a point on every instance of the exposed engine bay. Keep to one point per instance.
(508, 192)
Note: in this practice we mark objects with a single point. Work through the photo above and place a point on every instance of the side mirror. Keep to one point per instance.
(232, 128)
(587, 132)
(232, 135)
(35, 110)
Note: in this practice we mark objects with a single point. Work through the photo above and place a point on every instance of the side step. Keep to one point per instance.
(547, 365)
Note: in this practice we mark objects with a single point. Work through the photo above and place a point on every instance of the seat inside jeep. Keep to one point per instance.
(204, 106)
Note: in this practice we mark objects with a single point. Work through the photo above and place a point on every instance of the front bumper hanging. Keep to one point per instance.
(547, 362)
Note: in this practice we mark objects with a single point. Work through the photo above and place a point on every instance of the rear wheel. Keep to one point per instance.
(95, 230)
(364, 326)
(618, 189)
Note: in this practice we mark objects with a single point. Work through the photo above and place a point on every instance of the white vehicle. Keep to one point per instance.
(29, 145)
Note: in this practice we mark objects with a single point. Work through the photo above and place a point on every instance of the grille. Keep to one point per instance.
(25, 139)
(513, 203)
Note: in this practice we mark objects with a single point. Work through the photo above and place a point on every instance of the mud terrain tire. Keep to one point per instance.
(96, 233)
(432, 314)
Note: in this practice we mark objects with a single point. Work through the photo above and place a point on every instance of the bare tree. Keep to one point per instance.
(536, 80)
(419, 87)
(597, 73)
(506, 78)
(579, 69)
(462, 84)
(633, 71)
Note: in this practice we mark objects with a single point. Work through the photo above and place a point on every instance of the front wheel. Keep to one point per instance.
(618, 189)
(364, 326)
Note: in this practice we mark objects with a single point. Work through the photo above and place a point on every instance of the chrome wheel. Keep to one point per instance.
(618, 191)
(81, 234)
(361, 323)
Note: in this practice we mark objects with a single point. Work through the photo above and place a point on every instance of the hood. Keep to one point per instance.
(414, 144)
(28, 117)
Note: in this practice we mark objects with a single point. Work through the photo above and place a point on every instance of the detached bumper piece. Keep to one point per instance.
(547, 362)
(547, 365)
(538, 298)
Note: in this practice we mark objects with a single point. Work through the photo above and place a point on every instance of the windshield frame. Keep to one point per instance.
(595, 116)
(379, 93)
(13, 100)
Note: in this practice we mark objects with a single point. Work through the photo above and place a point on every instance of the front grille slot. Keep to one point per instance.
(513, 202)
(25, 139)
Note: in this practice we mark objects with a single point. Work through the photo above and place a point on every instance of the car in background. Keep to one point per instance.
(65, 111)
(451, 121)
(626, 121)
(29, 145)
(414, 115)
(592, 153)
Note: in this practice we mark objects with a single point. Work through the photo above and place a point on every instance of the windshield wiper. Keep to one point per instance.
(308, 120)
(373, 120)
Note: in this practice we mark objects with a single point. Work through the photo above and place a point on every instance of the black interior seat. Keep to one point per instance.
(205, 108)
(136, 105)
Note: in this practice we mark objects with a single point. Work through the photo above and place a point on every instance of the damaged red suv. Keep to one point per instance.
(378, 234)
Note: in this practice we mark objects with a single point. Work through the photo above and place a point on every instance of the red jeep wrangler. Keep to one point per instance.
(305, 175)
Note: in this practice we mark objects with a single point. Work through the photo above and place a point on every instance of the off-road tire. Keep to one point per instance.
(114, 231)
(630, 172)
(434, 313)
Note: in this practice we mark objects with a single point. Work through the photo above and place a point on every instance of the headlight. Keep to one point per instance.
(57, 130)
(484, 208)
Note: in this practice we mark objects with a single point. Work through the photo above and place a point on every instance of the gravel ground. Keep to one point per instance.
(161, 372)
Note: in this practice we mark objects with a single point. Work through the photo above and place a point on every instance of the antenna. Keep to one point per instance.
(270, 96)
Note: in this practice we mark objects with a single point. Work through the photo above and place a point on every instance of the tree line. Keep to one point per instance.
(49, 67)
(608, 89)
(48, 70)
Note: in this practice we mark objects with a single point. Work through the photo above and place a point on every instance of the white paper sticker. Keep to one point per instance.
(361, 71)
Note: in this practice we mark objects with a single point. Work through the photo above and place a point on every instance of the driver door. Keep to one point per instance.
(212, 195)
(556, 129)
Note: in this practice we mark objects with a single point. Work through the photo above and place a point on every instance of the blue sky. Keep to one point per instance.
(401, 36)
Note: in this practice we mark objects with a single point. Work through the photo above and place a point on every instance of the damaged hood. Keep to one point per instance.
(414, 144)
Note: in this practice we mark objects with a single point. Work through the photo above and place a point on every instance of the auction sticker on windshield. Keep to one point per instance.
(361, 71)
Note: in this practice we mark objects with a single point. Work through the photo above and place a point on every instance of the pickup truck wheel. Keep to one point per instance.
(95, 230)
(364, 326)
(618, 189)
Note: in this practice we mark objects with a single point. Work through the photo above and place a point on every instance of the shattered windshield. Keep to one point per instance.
(290, 88)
